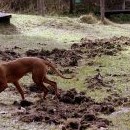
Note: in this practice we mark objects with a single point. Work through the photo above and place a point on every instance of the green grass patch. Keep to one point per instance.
(120, 18)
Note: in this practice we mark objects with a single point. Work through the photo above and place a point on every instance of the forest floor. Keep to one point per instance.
(98, 97)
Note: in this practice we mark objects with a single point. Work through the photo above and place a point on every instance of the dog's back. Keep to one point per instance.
(18, 68)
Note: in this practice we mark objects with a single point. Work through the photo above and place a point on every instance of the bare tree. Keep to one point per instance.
(72, 6)
(41, 7)
(102, 10)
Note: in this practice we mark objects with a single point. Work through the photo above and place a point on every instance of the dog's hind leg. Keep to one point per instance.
(38, 79)
(52, 83)
(43, 88)
(19, 89)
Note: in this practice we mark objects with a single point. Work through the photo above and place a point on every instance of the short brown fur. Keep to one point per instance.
(13, 71)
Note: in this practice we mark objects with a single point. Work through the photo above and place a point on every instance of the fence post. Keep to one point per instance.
(123, 5)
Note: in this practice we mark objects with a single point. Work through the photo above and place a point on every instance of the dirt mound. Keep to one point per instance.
(117, 100)
(98, 81)
(60, 56)
(67, 58)
(9, 54)
(85, 49)
(73, 110)
(100, 47)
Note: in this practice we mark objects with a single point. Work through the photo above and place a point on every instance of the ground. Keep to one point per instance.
(102, 70)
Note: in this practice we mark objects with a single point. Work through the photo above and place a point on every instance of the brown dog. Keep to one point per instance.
(11, 72)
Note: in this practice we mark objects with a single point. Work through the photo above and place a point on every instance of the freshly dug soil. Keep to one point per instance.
(85, 49)
(73, 110)
(8, 54)
(62, 57)
(98, 82)
(101, 47)
(117, 100)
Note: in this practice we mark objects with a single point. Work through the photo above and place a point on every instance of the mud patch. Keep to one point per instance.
(9, 54)
(85, 49)
(117, 100)
(73, 110)
(100, 47)
(98, 81)
(60, 56)
(25, 103)
(71, 57)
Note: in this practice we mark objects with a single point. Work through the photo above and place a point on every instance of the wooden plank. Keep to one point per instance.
(109, 12)
(4, 15)
(118, 11)
(5, 18)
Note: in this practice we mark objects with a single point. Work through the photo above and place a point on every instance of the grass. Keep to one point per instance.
(36, 32)
(120, 121)
(120, 18)
(90, 19)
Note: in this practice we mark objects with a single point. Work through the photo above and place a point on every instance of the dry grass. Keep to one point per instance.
(89, 19)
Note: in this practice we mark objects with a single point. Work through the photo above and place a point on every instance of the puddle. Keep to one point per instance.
(121, 111)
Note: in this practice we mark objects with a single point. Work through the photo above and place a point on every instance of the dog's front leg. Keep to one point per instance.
(19, 89)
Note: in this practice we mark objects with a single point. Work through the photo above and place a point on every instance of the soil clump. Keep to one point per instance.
(73, 110)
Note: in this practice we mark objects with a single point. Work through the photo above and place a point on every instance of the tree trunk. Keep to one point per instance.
(41, 7)
(71, 11)
(102, 10)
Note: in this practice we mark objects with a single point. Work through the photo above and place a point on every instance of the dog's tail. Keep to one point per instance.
(56, 71)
